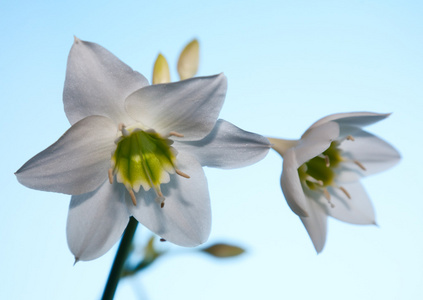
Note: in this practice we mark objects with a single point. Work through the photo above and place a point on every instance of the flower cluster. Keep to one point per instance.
(135, 149)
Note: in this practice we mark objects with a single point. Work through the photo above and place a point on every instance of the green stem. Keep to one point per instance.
(121, 255)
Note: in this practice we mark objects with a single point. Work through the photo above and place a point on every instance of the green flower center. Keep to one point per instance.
(320, 172)
(143, 158)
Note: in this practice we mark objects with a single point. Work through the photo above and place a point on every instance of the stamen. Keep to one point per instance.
(125, 132)
(134, 200)
(177, 134)
(110, 172)
(345, 192)
(122, 128)
(326, 193)
(360, 165)
(180, 173)
(117, 142)
(327, 196)
(327, 161)
(350, 138)
(314, 180)
(160, 199)
(162, 240)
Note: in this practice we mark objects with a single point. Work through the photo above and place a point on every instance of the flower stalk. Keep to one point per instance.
(120, 258)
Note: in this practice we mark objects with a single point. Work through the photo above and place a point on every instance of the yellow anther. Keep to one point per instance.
(180, 173)
(177, 134)
(133, 198)
(110, 173)
(327, 161)
(345, 192)
(326, 193)
(360, 165)
(327, 196)
(350, 138)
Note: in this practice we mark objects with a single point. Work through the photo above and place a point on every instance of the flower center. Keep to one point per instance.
(143, 158)
(319, 172)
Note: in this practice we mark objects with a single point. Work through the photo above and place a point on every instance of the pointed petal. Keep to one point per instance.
(291, 185)
(77, 163)
(97, 83)
(227, 146)
(96, 221)
(161, 73)
(185, 219)
(355, 119)
(189, 60)
(373, 153)
(315, 142)
(189, 107)
(316, 225)
(357, 210)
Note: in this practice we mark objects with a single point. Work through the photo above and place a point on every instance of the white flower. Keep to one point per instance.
(321, 171)
(117, 161)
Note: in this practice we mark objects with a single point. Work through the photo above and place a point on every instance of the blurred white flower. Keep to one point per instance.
(321, 171)
(126, 134)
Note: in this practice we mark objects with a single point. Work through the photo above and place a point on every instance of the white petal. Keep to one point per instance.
(77, 163)
(356, 119)
(97, 83)
(190, 107)
(227, 146)
(185, 219)
(96, 221)
(291, 185)
(357, 210)
(316, 225)
(371, 152)
(315, 142)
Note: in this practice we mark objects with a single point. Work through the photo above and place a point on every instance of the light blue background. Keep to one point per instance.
(288, 63)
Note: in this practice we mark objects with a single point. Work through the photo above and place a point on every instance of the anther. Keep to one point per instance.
(177, 134)
(180, 173)
(327, 161)
(345, 192)
(360, 165)
(314, 180)
(160, 199)
(326, 193)
(162, 240)
(327, 196)
(110, 173)
(134, 200)
(350, 138)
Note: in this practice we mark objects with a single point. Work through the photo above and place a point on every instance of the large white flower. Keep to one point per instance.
(321, 171)
(137, 150)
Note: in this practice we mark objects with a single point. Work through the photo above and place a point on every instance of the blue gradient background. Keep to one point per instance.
(288, 63)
